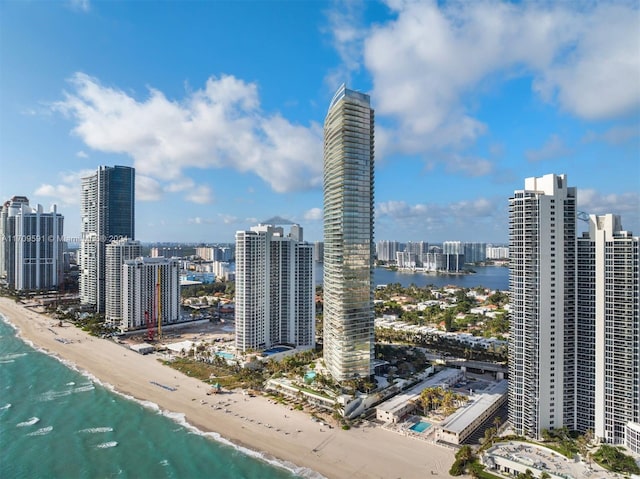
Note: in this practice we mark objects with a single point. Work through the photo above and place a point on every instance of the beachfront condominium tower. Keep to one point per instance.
(117, 252)
(542, 249)
(32, 246)
(5, 238)
(107, 213)
(608, 352)
(348, 236)
(150, 293)
(275, 289)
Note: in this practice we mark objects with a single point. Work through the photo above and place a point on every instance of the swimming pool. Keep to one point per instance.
(275, 350)
(222, 354)
(309, 376)
(420, 426)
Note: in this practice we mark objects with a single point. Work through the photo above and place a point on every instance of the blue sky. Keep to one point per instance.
(219, 105)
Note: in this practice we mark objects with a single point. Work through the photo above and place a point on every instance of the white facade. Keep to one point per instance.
(150, 292)
(632, 439)
(32, 246)
(205, 252)
(609, 329)
(118, 252)
(405, 259)
(386, 250)
(542, 245)
(275, 289)
(497, 252)
(349, 250)
(453, 247)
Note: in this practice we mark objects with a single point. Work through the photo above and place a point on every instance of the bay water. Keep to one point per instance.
(492, 277)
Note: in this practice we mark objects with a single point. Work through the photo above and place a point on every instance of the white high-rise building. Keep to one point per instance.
(497, 252)
(542, 249)
(386, 250)
(150, 293)
(32, 246)
(205, 252)
(275, 289)
(118, 252)
(453, 247)
(608, 352)
(107, 210)
(405, 259)
(349, 249)
(7, 261)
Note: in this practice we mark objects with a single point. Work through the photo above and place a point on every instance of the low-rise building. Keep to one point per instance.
(464, 422)
(398, 407)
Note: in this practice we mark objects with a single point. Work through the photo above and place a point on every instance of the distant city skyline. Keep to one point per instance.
(224, 128)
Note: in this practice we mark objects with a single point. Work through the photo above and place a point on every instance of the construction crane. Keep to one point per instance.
(149, 322)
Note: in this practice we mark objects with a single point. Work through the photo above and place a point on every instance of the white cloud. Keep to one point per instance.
(82, 154)
(481, 207)
(314, 214)
(181, 184)
(219, 126)
(80, 5)
(438, 222)
(616, 135)
(347, 36)
(469, 166)
(63, 194)
(67, 192)
(230, 219)
(598, 76)
(553, 148)
(429, 61)
(200, 194)
(625, 204)
(147, 189)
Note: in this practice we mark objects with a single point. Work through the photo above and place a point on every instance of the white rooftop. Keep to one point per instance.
(464, 416)
(397, 402)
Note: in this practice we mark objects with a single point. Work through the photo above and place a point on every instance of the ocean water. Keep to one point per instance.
(58, 423)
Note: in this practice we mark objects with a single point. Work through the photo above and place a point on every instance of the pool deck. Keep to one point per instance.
(523, 455)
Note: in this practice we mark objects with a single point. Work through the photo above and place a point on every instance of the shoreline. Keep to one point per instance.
(256, 426)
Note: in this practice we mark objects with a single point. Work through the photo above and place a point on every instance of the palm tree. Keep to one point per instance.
(426, 399)
(465, 453)
(497, 422)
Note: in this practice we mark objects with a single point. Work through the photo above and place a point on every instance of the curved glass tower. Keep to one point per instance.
(348, 235)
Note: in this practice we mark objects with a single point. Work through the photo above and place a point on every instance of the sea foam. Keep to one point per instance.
(96, 430)
(41, 432)
(106, 445)
(178, 418)
(29, 422)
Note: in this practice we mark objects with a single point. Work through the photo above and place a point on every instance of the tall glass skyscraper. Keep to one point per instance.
(108, 213)
(348, 235)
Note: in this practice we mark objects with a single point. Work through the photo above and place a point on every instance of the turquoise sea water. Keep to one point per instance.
(58, 423)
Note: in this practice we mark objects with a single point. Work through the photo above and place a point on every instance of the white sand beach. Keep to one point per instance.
(253, 422)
